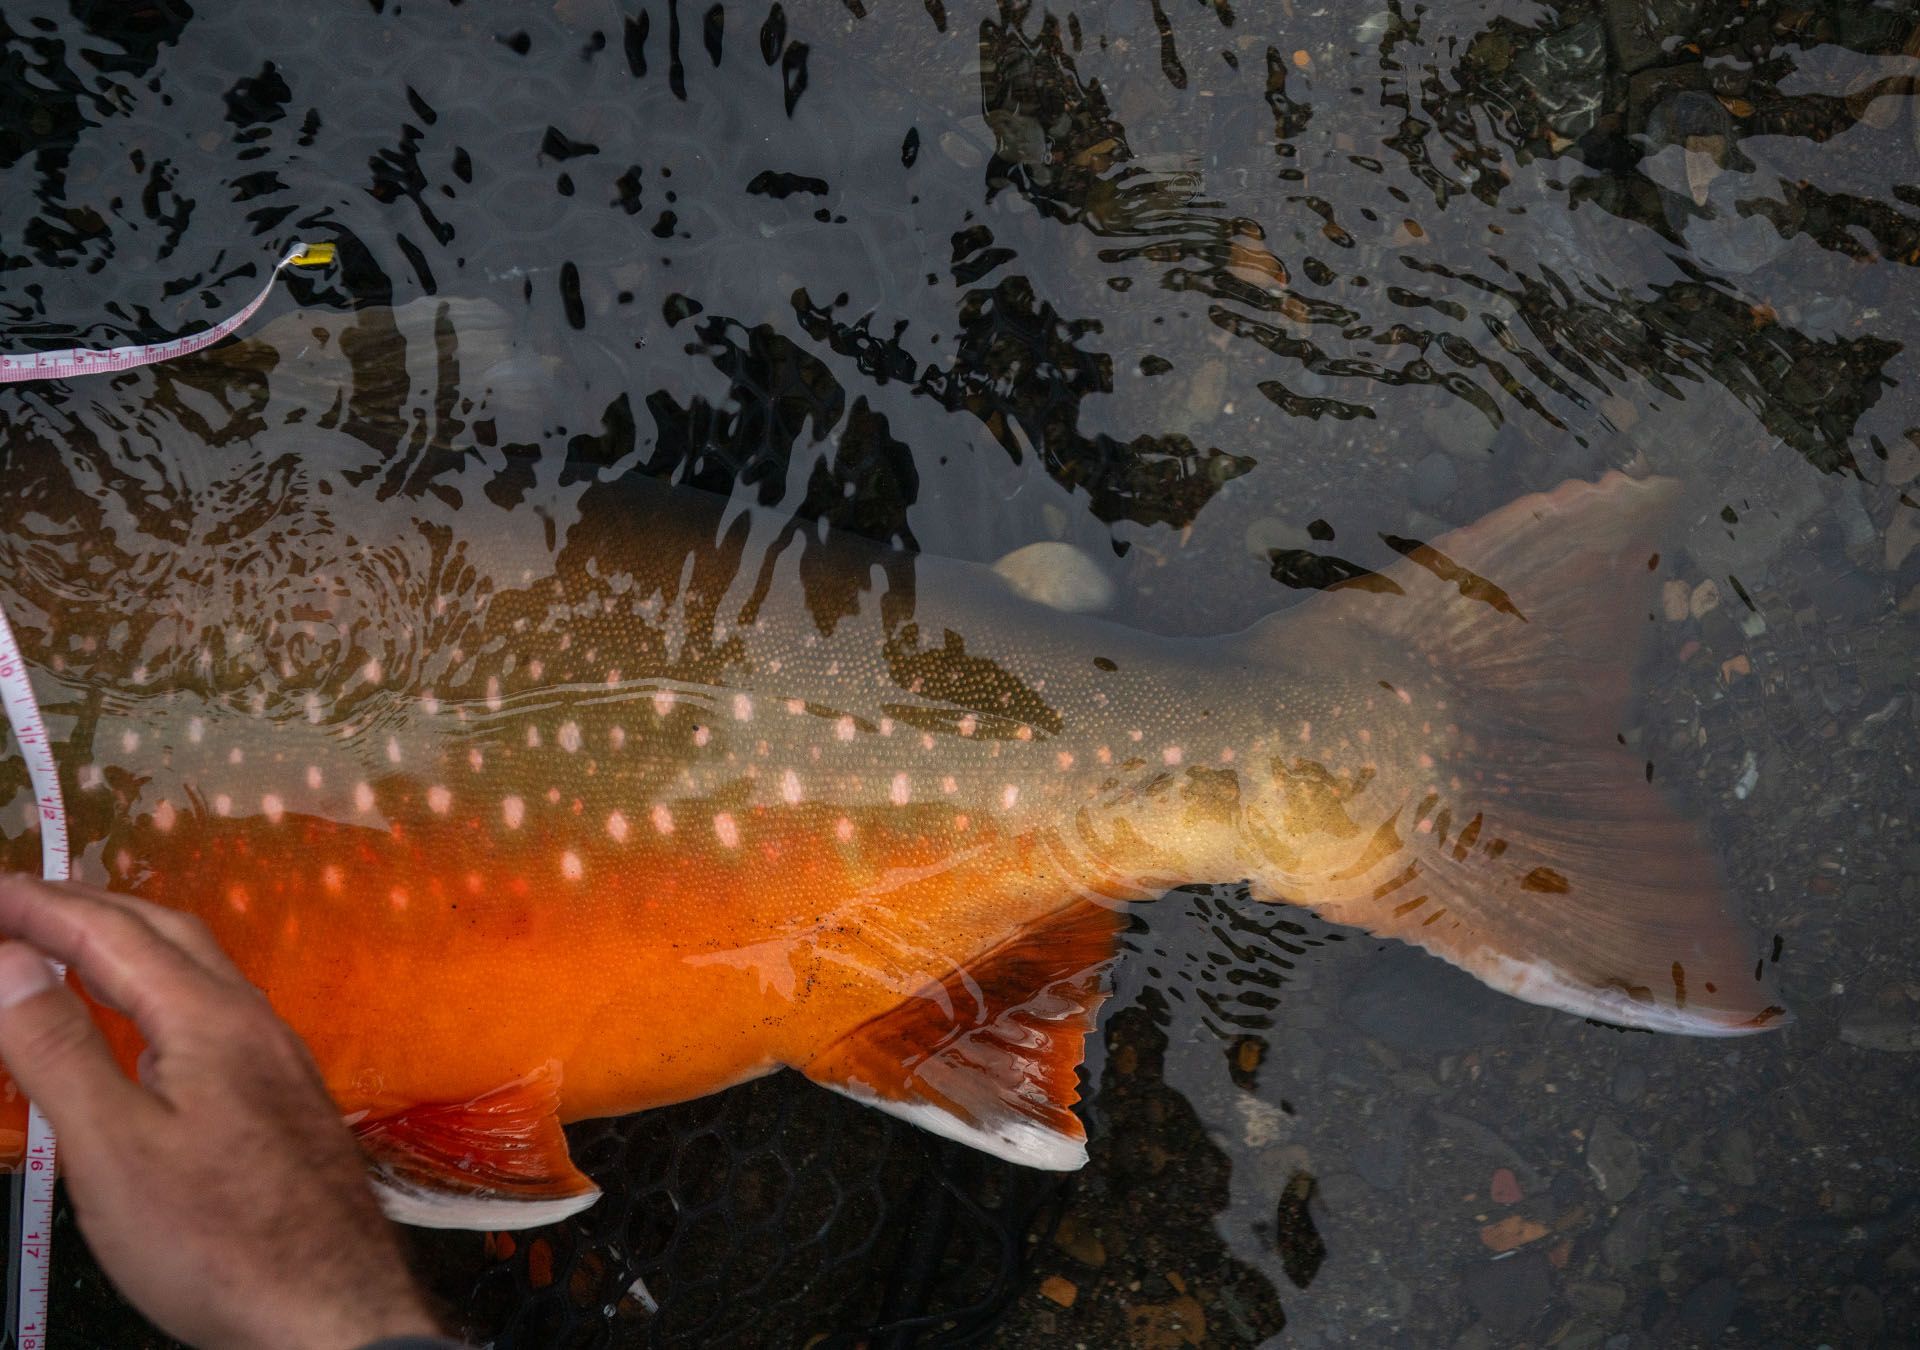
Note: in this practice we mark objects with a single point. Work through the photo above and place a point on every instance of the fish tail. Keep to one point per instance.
(1542, 860)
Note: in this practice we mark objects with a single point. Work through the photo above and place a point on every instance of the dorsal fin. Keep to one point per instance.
(990, 1055)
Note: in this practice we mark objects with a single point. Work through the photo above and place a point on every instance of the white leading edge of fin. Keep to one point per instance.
(1541, 983)
(423, 1208)
(1018, 1140)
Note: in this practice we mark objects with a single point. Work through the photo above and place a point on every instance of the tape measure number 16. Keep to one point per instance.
(35, 1198)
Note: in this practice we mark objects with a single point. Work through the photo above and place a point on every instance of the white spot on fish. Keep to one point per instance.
(236, 755)
(790, 787)
(493, 693)
(313, 777)
(223, 805)
(429, 704)
(163, 816)
(533, 738)
(571, 867)
(742, 708)
(1136, 735)
(726, 830)
(371, 672)
(844, 728)
(393, 749)
(273, 808)
(662, 820)
(196, 729)
(1306, 732)
(796, 706)
(475, 760)
(1009, 795)
(130, 741)
(362, 797)
(439, 800)
(1171, 755)
(570, 736)
(843, 829)
(886, 726)
(1064, 760)
(617, 828)
(617, 737)
(901, 791)
(949, 784)
(331, 878)
(662, 702)
(701, 735)
(969, 724)
(1024, 733)
(513, 810)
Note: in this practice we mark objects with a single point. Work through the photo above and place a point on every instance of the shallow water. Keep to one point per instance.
(1221, 295)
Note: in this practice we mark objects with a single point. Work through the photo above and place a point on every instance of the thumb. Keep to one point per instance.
(52, 1048)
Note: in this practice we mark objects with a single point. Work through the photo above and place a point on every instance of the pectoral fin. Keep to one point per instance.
(496, 1162)
(990, 1055)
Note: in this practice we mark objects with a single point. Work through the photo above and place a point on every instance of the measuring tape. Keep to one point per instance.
(36, 1201)
(64, 365)
(23, 713)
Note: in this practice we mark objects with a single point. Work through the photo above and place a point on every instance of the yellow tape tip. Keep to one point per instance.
(312, 255)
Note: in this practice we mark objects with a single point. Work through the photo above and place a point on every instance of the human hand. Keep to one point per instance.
(220, 1192)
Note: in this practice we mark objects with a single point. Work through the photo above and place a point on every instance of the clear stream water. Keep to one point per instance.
(1221, 294)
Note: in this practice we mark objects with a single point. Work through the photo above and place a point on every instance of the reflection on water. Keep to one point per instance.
(1225, 298)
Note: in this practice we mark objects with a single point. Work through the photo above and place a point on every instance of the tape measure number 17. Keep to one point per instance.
(35, 1220)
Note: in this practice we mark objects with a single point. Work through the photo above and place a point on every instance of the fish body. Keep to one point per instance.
(698, 793)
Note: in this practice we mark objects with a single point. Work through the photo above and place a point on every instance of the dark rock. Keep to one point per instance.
(1630, 1241)
(1614, 1160)
(1629, 1081)
(1862, 1310)
(1708, 1308)
(1510, 1295)
(1419, 1006)
(1641, 29)
(1380, 1156)
(1567, 73)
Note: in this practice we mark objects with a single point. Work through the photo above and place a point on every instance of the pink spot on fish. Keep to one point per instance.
(726, 829)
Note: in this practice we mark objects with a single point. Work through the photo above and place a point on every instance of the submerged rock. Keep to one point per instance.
(1057, 575)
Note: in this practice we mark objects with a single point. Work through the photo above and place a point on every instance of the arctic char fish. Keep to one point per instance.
(700, 793)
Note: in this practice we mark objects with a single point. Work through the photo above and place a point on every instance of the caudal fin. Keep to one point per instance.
(1544, 863)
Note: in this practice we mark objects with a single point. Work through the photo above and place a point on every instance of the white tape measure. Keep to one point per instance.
(23, 713)
(36, 1201)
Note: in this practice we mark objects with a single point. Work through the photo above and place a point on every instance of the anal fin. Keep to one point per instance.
(498, 1161)
(989, 1056)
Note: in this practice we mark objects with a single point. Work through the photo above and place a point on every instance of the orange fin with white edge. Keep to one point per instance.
(499, 1161)
(1542, 861)
(990, 1056)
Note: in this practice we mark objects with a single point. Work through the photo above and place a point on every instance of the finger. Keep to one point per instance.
(185, 931)
(55, 1053)
(121, 957)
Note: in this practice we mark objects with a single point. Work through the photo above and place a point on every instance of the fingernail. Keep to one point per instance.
(23, 973)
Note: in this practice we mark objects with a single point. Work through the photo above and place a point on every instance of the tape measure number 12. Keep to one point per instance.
(23, 713)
